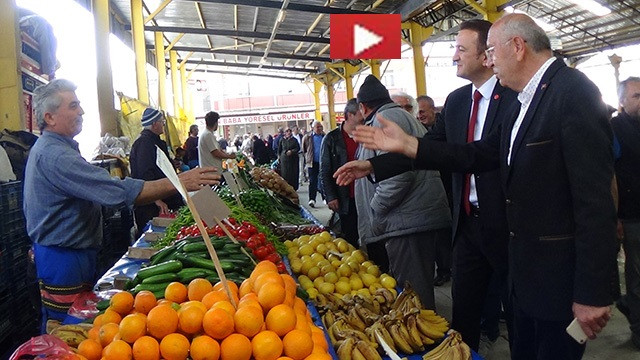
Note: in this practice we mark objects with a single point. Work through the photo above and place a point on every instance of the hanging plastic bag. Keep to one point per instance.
(46, 347)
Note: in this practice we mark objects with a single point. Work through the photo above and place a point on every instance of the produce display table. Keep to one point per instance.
(129, 267)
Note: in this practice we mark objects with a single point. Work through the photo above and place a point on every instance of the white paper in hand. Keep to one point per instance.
(167, 169)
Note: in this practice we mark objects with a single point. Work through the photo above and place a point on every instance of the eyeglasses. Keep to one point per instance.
(409, 108)
(491, 50)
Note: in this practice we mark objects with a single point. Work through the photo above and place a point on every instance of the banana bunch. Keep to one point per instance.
(72, 335)
(352, 349)
(431, 324)
(340, 330)
(406, 300)
(400, 321)
(452, 348)
(378, 303)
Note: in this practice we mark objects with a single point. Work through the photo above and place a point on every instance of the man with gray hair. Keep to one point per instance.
(64, 195)
(406, 102)
(626, 128)
(426, 111)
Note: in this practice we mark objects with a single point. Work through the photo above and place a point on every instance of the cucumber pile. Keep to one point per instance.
(188, 259)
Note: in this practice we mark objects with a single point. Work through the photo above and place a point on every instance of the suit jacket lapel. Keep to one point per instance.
(462, 123)
(526, 122)
(494, 103)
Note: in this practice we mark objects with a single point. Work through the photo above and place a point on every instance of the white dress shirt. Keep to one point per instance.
(525, 97)
(486, 90)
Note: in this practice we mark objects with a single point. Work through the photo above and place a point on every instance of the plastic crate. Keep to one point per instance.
(12, 221)
(10, 196)
(15, 247)
(26, 307)
(6, 311)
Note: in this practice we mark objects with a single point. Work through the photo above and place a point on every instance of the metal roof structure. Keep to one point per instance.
(246, 35)
(290, 38)
(577, 32)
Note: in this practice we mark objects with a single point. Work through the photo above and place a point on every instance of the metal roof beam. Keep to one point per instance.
(232, 33)
(243, 65)
(245, 74)
(412, 8)
(247, 53)
(292, 6)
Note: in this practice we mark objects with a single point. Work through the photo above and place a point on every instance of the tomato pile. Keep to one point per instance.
(244, 232)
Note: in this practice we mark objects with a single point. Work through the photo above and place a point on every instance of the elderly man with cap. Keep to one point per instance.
(406, 212)
(64, 195)
(143, 166)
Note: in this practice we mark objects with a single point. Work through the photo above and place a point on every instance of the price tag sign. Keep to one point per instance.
(210, 206)
(231, 181)
(243, 185)
(167, 169)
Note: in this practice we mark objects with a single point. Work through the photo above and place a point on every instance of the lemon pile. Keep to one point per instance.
(331, 265)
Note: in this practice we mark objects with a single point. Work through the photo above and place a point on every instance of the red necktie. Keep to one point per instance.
(470, 132)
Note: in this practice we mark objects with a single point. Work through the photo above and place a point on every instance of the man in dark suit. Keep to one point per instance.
(480, 233)
(626, 127)
(556, 167)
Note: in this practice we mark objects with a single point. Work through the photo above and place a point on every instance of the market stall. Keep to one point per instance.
(314, 296)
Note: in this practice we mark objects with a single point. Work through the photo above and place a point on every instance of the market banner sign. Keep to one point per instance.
(266, 118)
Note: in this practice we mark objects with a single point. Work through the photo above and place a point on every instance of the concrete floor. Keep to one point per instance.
(613, 343)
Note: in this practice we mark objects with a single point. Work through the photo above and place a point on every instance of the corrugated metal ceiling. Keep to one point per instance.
(233, 34)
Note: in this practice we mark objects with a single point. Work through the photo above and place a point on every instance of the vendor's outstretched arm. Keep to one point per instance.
(192, 180)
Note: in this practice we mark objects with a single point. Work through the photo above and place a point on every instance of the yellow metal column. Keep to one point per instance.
(173, 60)
(183, 87)
(375, 67)
(331, 104)
(317, 86)
(490, 9)
(491, 6)
(418, 35)
(137, 29)
(349, 71)
(108, 119)
(162, 71)
(11, 106)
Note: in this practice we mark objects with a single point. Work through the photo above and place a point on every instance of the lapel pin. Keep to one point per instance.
(496, 97)
(543, 86)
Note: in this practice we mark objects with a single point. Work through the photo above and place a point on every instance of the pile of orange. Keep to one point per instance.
(262, 319)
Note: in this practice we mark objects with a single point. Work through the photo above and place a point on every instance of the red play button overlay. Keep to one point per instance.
(365, 36)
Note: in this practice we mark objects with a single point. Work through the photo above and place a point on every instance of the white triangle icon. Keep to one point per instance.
(364, 39)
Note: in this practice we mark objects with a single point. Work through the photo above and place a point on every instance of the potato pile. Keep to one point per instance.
(269, 179)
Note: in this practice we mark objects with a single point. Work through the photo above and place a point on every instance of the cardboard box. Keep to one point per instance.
(161, 221)
(140, 253)
(152, 237)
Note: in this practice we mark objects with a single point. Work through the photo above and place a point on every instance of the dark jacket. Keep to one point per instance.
(191, 149)
(627, 131)
(559, 207)
(260, 152)
(334, 155)
(452, 127)
(143, 166)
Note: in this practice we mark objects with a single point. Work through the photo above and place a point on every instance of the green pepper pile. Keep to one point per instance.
(183, 218)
